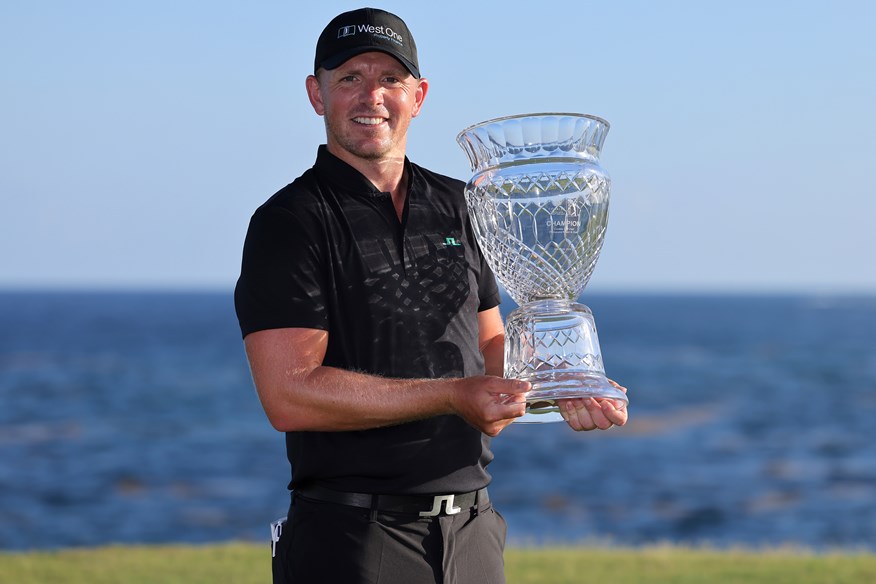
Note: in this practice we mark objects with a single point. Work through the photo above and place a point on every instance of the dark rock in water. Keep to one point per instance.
(699, 522)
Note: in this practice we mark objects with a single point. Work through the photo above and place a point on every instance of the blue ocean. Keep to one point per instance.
(131, 418)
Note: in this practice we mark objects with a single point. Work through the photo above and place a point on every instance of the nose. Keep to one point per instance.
(372, 93)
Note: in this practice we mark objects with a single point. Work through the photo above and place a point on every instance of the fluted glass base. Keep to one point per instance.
(549, 387)
(553, 344)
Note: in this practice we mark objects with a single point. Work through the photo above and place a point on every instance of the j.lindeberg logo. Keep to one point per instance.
(385, 31)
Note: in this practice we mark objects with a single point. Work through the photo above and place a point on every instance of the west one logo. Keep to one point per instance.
(346, 31)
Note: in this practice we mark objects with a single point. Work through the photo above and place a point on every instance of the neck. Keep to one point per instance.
(386, 174)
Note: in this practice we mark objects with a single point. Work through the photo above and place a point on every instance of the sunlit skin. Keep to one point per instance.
(368, 104)
(591, 414)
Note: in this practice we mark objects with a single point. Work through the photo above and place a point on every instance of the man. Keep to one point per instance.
(373, 333)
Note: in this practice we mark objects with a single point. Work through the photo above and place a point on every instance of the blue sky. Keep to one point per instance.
(136, 138)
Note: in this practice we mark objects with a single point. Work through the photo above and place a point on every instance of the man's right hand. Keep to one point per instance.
(489, 403)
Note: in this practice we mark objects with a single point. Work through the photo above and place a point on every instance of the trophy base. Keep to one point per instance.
(547, 388)
(553, 345)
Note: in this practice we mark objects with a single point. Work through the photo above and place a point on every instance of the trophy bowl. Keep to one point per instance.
(538, 203)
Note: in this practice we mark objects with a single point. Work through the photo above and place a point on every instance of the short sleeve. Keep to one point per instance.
(488, 289)
(281, 280)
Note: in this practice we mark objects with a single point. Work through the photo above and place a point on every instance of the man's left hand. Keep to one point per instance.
(587, 413)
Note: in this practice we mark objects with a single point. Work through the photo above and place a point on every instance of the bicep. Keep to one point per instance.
(279, 359)
(491, 340)
(285, 351)
(489, 326)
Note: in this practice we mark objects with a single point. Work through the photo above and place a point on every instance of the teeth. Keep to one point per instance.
(368, 121)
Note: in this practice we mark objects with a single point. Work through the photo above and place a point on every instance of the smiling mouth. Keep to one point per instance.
(369, 121)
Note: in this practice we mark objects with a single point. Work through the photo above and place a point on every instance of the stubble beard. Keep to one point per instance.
(370, 150)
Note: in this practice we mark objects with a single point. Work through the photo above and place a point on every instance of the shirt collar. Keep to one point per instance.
(336, 171)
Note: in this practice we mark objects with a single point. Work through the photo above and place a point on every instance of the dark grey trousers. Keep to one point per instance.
(326, 543)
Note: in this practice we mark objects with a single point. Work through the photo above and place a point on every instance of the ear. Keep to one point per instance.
(314, 94)
(420, 96)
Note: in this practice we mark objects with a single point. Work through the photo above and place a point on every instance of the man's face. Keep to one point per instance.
(368, 103)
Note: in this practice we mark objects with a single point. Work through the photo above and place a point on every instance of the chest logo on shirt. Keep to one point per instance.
(451, 242)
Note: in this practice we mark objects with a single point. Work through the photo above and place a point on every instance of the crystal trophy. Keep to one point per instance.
(538, 203)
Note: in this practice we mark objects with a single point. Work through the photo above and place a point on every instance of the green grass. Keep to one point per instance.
(677, 565)
(248, 563)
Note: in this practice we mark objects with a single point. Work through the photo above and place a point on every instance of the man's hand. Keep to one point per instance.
(489, 403)
(591, 413)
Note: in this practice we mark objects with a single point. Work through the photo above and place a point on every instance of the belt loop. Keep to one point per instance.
(375, 501)
(482, 500)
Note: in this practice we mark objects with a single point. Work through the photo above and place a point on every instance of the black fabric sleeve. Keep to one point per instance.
(488, 289)
(281, 278)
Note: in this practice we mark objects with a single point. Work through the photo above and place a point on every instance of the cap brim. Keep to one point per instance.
(339, 59)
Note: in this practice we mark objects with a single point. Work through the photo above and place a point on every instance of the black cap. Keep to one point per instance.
(363, 30)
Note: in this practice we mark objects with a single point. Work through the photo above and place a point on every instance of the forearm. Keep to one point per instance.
(298, 393)
(331, 399)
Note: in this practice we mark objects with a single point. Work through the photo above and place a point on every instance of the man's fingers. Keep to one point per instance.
(500, 416)
(612, 413)
(589, 414)
(575, 412)
(598, 416)
(513, 398)
(617, 385)
(511, 391)
(514, 386)
(513, 410)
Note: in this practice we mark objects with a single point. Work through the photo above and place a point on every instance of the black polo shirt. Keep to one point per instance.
(398, 299)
